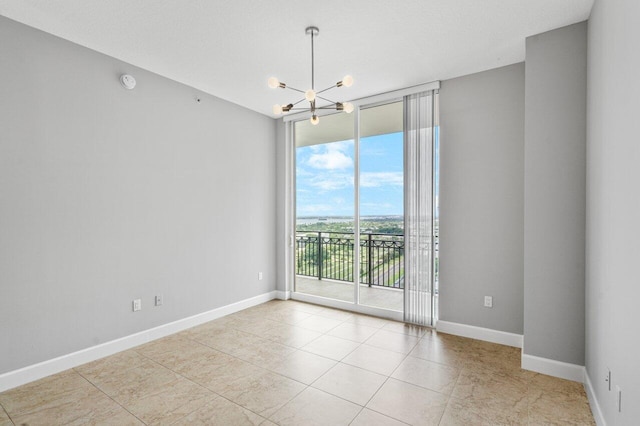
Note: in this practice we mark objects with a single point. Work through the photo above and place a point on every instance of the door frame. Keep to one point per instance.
(290, 205)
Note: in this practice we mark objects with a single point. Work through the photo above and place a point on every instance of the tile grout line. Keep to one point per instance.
(7, 413)
(390, 377)
(198, 384)
(108, 396)
(240, 359)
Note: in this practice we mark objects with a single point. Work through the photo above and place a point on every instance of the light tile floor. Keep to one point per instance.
(291, 363)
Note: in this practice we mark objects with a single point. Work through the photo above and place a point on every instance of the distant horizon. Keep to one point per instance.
(347, 217)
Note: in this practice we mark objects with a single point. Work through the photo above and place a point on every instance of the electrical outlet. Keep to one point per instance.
(618, 398)
(488, 302)
(607, 379)
(159, 300)
(260, 275)
(137, 305)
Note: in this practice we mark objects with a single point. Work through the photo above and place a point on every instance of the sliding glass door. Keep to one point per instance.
(325, 208)
(381, 190)
(349, 245)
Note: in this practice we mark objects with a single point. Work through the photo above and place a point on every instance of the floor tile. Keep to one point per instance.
(226, 323)
(179, 355)
(205, 328)
(549, 409)
(229, 341)
(169, 403)
(221, 412)
(351, 331)
(291, 335)
(367, 320)
(409, 403)
(428, 374)
(489, 385)
(265, 353)
(381, 361)
(396, 342)
(463, 412)
(306, 307)
(404, 328)
(556, 386)
(452, 354)
(92, 406)
(169, 344)
(51, 391)
(264, 394)
(259, 328)
(202, 365)
(335, 314)
(491, 356)
(319, 323)
(129, 385)
(117, 363)
(351, 383)
(371, 418)
(219, 377)
(316, 408)
(4, 418)
(291, 316)
(303, 366)
(331, 347)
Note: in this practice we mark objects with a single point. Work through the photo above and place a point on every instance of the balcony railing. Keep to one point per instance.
(330, 255)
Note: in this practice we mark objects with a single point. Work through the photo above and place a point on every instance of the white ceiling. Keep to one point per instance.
(230, 48)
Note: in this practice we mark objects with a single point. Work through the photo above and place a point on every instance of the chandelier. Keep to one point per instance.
(311, 95)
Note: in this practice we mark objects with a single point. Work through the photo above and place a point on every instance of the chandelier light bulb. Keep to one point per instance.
(277, 109)
(273, 82)
(347, 81)
(347, 107)
(310, 95)
(314, 119)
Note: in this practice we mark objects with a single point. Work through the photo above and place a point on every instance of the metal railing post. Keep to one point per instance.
(369, 260)
(319, 260)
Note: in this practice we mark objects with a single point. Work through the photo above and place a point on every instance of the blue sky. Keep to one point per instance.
(324, 177)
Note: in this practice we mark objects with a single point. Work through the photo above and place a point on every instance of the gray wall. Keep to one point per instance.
(481, 200)
(613, 207)
(554, 188)
(281, 206)
(107, 195)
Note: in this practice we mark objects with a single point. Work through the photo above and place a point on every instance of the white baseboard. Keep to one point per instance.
(33, 372)
(593, 401)
(480, 333)
(283, 295)
(551, 367)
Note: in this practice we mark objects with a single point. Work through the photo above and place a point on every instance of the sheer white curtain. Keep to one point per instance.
(419, 207)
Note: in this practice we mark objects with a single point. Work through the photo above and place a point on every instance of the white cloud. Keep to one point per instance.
(377, 179)
(332, 181)
(331, 156)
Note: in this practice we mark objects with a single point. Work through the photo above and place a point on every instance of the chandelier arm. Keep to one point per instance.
(328, 88)
(296, 103)
(325, 99)
(294, 89)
